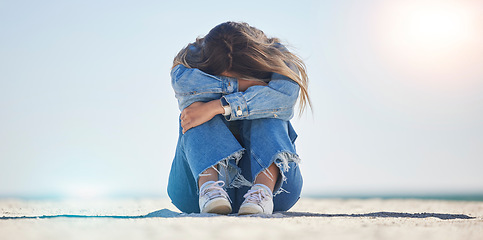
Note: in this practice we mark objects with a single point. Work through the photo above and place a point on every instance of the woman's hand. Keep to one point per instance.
(244, 84)
(200, 112)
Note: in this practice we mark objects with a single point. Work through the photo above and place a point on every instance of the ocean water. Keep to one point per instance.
(448, 197)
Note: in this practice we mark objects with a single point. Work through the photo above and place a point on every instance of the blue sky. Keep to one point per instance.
(87, 108)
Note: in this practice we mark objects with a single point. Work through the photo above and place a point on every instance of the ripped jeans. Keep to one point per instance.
(241, 150)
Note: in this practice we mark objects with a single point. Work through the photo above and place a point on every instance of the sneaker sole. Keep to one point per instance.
(221, 206)
(249, 210)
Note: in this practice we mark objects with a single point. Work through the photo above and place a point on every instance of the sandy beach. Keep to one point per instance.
(309, 219)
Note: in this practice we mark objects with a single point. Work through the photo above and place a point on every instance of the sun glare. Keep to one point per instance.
(434, 27)
(437, 37)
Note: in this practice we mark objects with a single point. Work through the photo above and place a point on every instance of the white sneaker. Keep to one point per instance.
(258, 200)
(214, 199)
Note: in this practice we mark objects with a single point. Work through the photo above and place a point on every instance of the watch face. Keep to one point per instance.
(227, 110)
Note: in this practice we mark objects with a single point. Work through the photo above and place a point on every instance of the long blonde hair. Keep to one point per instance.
(247, 52)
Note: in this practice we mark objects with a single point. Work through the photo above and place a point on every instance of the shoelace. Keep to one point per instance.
(256, 195)
(215, 190)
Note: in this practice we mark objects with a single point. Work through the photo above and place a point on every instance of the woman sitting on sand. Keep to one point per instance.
(236, 89)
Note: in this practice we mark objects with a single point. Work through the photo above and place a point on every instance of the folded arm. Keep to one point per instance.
(193, 85)
(276, 100)
(199, 97)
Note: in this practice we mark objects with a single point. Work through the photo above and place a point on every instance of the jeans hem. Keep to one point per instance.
(281, 160)
(229, 172)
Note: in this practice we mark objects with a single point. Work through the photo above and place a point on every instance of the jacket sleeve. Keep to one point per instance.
(276, 100)
(193, 85)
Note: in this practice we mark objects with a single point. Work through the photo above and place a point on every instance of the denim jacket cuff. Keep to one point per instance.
(229, 85)
(238, 104)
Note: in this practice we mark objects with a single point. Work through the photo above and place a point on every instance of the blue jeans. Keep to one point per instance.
(241, 150)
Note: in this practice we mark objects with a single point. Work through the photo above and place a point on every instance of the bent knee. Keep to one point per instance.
(291, 190)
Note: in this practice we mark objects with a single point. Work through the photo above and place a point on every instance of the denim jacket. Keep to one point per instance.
(276, 100)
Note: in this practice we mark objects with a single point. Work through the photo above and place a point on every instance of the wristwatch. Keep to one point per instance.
(225, 106)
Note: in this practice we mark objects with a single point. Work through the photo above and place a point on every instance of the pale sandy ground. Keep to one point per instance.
(309, 219)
